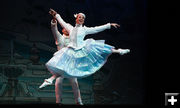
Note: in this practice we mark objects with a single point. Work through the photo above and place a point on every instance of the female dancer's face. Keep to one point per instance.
(80, 19)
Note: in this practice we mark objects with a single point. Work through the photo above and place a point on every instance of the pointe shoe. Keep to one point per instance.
(123, 51)
(79, 103)
(46, 83)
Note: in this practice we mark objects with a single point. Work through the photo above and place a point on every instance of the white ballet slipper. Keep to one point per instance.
(46, 83)
(79, 103)
(123, 51)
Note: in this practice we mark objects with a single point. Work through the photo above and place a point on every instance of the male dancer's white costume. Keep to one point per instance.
(62, 41)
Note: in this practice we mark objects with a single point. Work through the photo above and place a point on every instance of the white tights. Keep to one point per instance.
(75, 88)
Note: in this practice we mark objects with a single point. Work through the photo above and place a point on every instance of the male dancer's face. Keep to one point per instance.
(65, 32)
(80, 19)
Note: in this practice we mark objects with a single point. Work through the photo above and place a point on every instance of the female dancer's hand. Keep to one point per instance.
(52, 12)
(115, 25)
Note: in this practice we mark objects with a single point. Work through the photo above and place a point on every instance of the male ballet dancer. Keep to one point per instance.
(62, 41)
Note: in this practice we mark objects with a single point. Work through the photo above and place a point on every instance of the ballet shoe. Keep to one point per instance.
(79, 103)
(46, 83)
(123, 51)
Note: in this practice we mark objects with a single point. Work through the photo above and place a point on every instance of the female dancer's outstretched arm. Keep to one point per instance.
(93, 30)
(63, 24)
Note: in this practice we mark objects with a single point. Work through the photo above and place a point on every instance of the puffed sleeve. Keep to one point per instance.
(93, 30)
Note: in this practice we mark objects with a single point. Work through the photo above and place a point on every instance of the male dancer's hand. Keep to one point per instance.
(52, 12)
(115, 25)
(54, 20)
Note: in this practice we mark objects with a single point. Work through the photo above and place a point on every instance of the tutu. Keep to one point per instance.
(80, 63)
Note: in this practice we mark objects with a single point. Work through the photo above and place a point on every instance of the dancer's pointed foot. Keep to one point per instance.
(46, 83)
(123, 51)
(79, 103)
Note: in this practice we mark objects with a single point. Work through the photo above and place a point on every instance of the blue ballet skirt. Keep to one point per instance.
(80, 63)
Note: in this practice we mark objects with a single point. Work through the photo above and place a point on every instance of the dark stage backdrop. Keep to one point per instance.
(24, 23)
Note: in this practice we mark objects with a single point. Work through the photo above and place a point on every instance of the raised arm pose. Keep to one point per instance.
(81, 58)
(61, 41)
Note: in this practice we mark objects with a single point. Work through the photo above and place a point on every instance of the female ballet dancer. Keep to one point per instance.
(81, 58)
(62, 41)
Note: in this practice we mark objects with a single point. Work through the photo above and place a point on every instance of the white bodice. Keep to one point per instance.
(78, 32)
